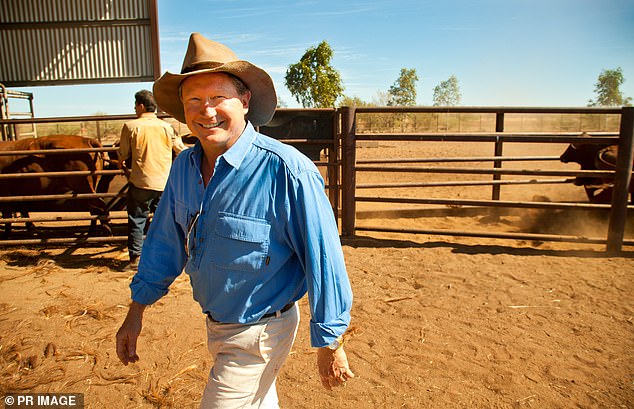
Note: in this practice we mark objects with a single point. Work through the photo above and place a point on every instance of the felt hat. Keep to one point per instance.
(206, 56)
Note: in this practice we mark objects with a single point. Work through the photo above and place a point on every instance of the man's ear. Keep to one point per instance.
(246, 98)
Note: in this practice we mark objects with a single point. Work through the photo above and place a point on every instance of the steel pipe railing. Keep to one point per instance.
(69, 196)
(74, 173)
(493, 235)
(490, 203)
(459, 159)
(464, 183)
(489, 171)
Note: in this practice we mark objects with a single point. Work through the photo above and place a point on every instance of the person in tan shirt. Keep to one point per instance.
(145, 150)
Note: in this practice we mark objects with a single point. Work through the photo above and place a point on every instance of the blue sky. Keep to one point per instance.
(503, 52)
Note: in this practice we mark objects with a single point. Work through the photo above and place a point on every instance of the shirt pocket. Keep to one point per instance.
(242, 242)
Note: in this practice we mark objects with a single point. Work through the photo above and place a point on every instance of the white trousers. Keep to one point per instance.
(246, 361)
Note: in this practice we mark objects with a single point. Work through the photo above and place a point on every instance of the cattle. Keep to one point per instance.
(311, 125)
(112, 163)
(594, 157)
(38, 162)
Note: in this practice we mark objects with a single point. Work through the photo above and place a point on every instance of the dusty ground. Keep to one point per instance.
(440, 322)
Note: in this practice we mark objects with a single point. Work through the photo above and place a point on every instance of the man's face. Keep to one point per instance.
(214, 110)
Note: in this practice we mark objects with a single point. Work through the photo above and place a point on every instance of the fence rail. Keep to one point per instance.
(465, 183)
(499, 235)
(607, 137)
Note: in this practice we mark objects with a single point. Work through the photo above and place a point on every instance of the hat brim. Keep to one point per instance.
(263, 98)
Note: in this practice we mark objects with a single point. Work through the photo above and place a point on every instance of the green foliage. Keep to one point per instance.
(313, 81)
(381, 99)
(608, 90)
(403, 91)
(447, 93)
(355, 101)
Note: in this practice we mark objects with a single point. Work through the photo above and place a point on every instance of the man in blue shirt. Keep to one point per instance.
(248, 219)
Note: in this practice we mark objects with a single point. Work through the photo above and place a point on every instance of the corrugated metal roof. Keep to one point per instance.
(51, 42)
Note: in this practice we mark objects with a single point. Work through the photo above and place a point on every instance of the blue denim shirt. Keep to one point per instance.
(259, 236)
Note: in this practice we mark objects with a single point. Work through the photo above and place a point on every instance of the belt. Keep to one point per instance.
(269, 315)
(278, 313)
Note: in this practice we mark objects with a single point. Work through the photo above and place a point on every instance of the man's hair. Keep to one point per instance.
(241, 87)
(145, 98)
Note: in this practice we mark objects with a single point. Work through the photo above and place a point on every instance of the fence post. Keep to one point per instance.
(499, 127)
(98, 126)
(620, 194)
(348, 163)
(332, 168)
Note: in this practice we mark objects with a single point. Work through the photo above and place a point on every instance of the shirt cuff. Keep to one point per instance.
(322, 335)
(143, 293)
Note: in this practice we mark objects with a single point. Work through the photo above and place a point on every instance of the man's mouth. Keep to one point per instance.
(211, 126)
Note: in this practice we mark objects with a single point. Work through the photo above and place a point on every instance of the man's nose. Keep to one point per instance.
(208, 108)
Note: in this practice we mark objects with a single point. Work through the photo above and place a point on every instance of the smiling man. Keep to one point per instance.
(248, 219)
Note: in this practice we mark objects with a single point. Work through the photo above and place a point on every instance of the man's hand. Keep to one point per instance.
(129, 333)
(333, 367)
(123, 164)
(126, 172)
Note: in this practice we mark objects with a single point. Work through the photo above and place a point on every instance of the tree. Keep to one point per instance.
(313, 81)
(403, 91)
(447, 93)
(355, 101)
(381, 99)
(608, 90)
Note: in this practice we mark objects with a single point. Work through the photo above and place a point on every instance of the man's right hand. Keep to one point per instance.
(333, 367)
(129, 333)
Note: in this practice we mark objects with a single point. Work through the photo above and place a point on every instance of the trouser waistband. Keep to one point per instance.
(277, 313)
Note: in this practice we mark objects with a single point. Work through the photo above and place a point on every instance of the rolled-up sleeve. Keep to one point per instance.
(315, 237)
(163, 256)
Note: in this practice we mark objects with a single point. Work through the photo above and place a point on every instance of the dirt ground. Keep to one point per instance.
(439, 321)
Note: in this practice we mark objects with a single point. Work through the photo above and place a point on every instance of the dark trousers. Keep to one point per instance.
(140, 203)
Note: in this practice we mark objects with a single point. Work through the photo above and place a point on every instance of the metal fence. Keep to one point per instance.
(353, 168)
(312, 131)
(332, 138)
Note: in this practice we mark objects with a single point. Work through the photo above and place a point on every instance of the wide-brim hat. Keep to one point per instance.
(206, 56)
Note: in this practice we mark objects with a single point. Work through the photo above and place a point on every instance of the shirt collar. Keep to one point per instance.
(238, 151)
(235, 155)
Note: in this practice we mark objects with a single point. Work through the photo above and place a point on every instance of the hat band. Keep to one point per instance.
(204, 65)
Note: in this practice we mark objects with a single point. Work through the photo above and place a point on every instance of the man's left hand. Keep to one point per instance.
(333, 367)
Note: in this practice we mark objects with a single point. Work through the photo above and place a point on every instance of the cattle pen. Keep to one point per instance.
(353, 168)
(381, 174)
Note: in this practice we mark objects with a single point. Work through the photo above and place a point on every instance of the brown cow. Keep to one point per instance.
(36, 163)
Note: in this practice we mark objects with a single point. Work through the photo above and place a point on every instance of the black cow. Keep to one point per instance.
(310, 125)
(594, 157)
